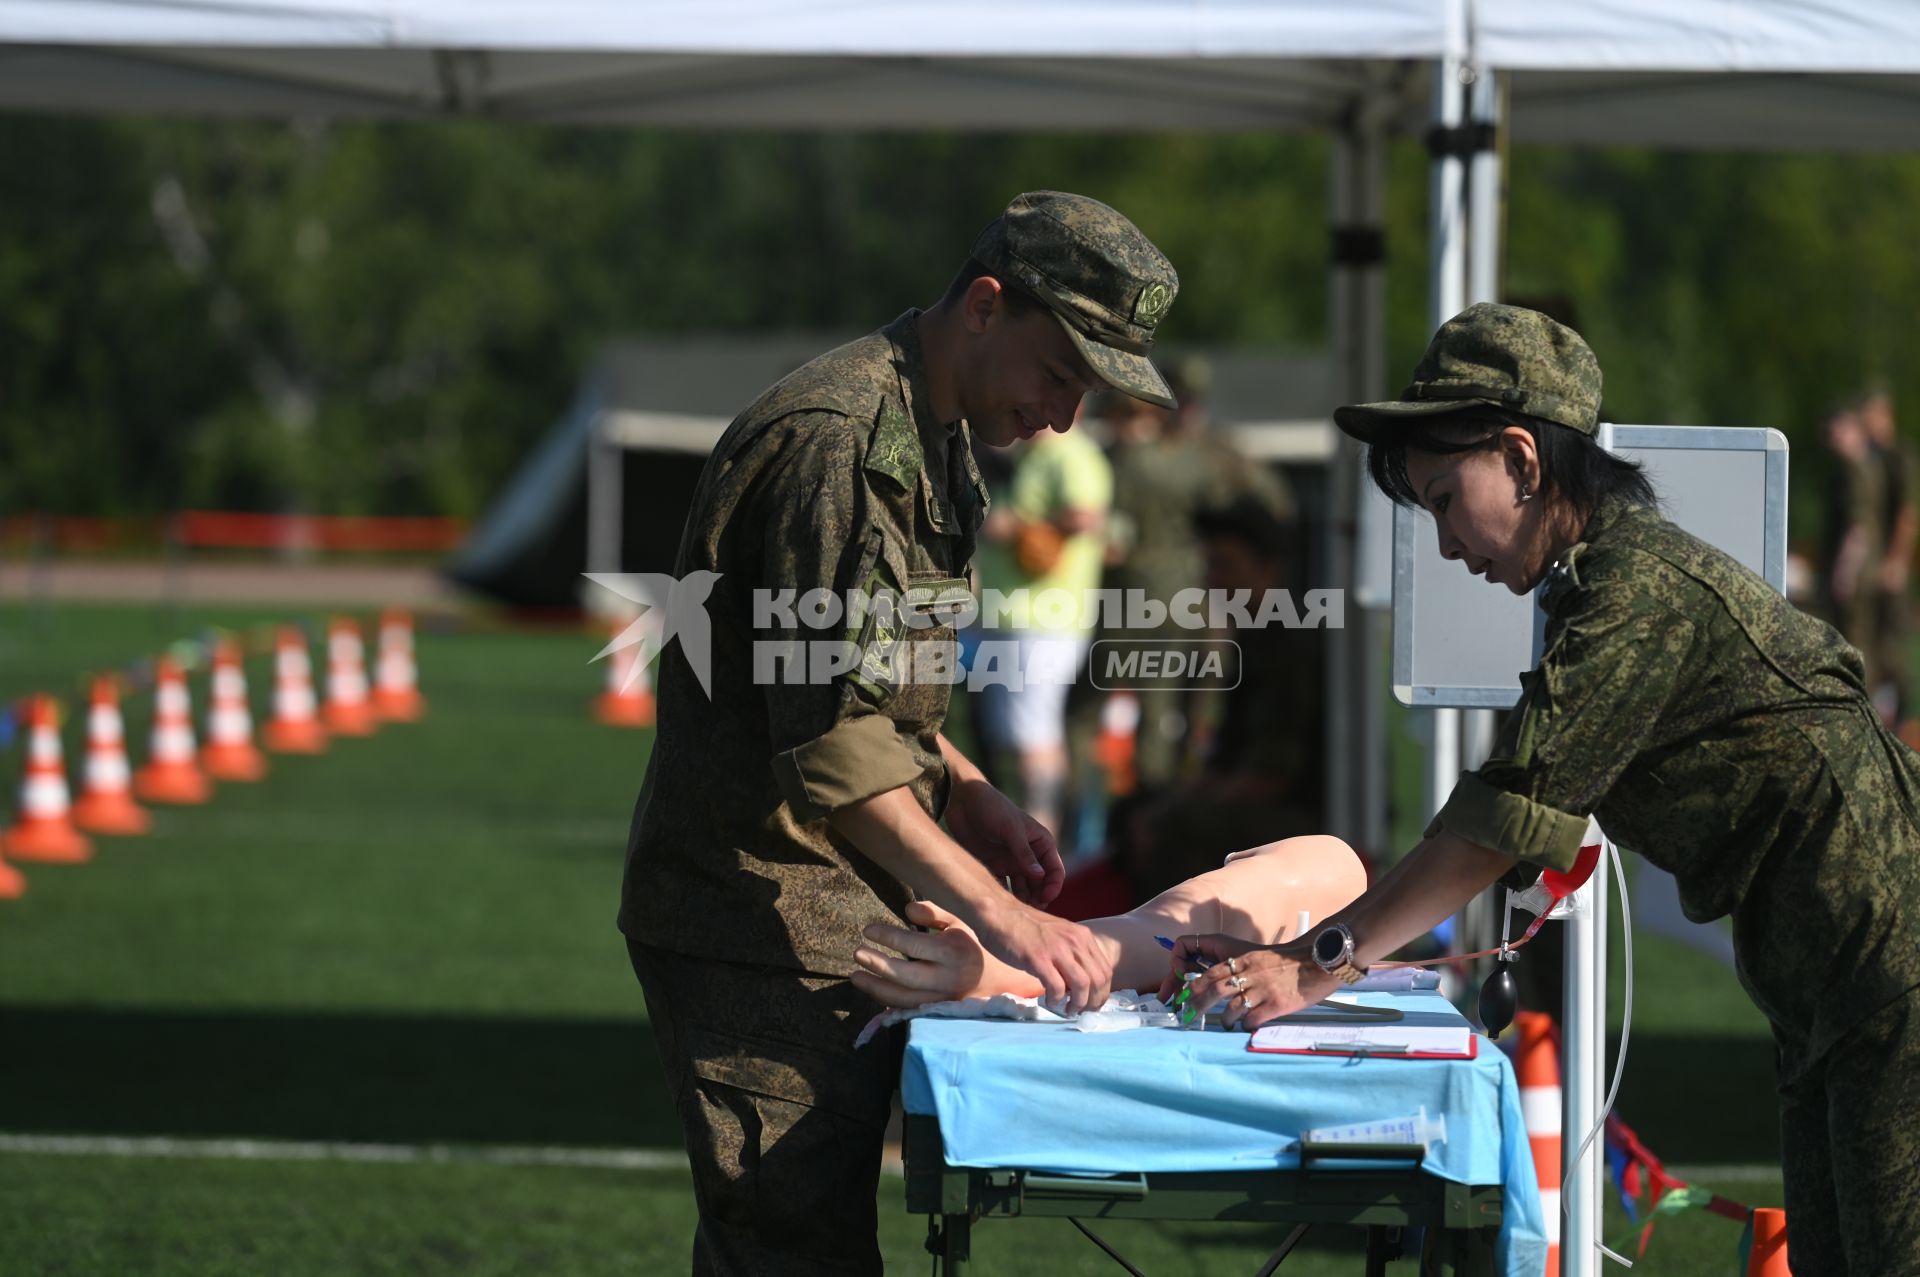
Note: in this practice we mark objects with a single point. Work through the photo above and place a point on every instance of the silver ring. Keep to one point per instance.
(1238, 982)
(1231, 968)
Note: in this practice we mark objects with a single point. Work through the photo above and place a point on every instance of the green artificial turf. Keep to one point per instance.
(84, 1216)
(410, 939)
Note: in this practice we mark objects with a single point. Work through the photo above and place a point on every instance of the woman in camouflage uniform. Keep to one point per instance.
(1705, 722)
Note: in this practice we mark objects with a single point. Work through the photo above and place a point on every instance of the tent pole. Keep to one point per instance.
(1361, 519)
(1481, 919)
(1583, 1048)
(605, 478)
(1486, 192)
(1446, 291)
(1342, 803)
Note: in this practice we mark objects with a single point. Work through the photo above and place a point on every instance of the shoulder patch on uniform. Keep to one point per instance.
(895, 450)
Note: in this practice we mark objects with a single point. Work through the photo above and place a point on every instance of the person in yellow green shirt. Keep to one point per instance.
(1040, 561)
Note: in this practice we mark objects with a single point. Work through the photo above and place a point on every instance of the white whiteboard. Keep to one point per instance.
(1461, 643)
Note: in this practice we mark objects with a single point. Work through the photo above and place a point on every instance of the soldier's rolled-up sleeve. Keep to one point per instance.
(818, 532)
(858, 757)
(1595, 698)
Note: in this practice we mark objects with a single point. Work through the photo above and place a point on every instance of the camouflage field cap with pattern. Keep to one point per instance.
(1492, 356)
(1105, 281)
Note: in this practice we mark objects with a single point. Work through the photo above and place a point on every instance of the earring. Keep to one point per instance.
(1524, 494)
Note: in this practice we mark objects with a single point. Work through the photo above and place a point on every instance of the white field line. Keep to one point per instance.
(1705, 1175)
(620, 1159)
(617, 1159)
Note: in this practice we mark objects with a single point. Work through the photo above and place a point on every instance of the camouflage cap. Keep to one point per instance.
(1105, 281)
(1492, 356)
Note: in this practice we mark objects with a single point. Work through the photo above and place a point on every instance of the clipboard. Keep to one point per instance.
(1327, 1011)
(1379, 1039)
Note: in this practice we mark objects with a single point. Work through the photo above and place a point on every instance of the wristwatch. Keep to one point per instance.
(1333, 954)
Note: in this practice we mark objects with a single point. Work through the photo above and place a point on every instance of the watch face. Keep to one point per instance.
(1328, 947)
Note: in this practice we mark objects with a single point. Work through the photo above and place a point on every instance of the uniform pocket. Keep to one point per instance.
(932, 610)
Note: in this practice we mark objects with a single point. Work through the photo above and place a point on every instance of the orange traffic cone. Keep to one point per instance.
(1768, 1258)
(1119, 734)
(45, 831)
(628, 698)
(295, 727)
(106, 804)
(396, 678)
(171, 774)
(1536, 1063)
(13, 883)
(349, 712)
(230, 753)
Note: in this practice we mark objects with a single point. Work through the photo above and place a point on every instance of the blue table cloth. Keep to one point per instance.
(1048, 1097)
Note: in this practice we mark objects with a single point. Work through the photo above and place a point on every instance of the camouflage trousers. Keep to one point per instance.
(1850, 1145)
(783, 1119)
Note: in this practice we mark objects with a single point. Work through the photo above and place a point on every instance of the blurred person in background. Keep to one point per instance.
(1231, 474)
(1900, 471)
(1042, 549)
(1262, 773)
(1160, 482)
(1169, 467)
(1853, 537)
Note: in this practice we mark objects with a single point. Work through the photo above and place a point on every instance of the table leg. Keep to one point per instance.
(1286, 1248)
(1380, 1248)
(1464, 1252)
(949, 1237)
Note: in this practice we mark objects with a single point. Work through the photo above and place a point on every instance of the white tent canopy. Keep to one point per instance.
(1147, 64)
(1774, 74)
(1645, 71)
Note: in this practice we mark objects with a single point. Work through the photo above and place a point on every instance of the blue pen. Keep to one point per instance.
(1197, 963)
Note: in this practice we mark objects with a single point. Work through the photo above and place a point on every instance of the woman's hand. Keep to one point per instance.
(1258, 982)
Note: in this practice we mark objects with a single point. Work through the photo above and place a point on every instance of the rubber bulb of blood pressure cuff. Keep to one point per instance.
(1499, 998)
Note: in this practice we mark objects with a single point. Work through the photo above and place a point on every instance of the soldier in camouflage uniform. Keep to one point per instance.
(779, 819)
(1706, 723)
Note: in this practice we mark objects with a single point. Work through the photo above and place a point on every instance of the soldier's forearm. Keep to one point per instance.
(1431, 882)
(891, 830)
(959, 766)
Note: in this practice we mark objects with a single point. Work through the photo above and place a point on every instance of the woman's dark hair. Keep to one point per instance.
(1574, 469)
(1018, 300)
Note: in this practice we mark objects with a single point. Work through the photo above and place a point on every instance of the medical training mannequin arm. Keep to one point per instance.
(894, 832)
(1432, 882)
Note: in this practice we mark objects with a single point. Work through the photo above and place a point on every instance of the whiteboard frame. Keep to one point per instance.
(1503, 695)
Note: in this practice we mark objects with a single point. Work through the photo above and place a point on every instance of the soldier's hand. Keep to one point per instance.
(1009, 842)
(1064, 956)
